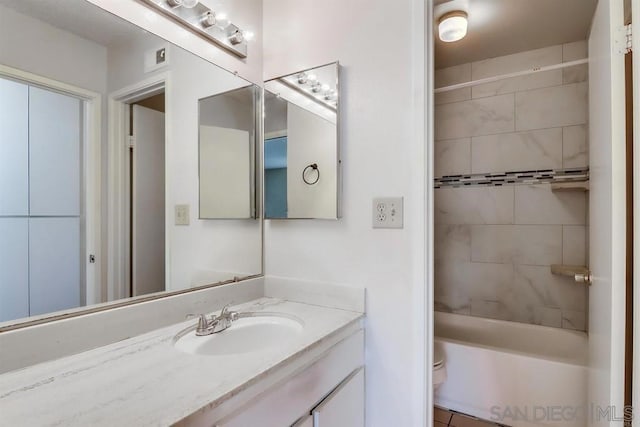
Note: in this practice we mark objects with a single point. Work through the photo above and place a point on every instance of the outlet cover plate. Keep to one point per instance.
(182, 214)
(388, 212)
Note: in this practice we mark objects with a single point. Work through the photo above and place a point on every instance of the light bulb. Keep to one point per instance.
(236, 37)
(190, 4)
(208, 20)
(248, 35)
(325, 87)
(312, 77)
(315, 87)
(302, 78)
(222, 20)
(453, 26)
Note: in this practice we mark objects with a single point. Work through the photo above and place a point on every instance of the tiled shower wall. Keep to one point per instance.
(495, 245)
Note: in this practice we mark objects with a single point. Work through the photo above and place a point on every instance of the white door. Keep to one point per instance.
(148, 227)
(606, 216)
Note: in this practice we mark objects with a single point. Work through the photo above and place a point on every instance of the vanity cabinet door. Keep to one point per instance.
(344, 407)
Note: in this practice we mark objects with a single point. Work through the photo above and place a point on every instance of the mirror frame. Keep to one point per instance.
(338, 143)
(26, 322)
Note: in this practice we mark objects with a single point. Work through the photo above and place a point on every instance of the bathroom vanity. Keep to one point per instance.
(309, 376)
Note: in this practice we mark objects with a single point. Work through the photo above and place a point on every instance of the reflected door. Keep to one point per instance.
(148, 225)
(40, 215)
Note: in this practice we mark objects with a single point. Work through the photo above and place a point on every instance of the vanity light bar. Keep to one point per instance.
(205, 22)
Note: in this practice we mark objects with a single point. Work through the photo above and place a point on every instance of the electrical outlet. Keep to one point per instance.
(388, 212)
(182, 214)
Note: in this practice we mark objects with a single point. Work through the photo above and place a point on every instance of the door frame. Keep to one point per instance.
(118, 224)
(635, 18)
(91, 190)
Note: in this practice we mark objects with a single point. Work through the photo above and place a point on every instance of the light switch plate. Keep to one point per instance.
(182, 214)
(388, 212)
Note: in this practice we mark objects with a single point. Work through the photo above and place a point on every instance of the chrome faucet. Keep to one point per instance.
(215, 324)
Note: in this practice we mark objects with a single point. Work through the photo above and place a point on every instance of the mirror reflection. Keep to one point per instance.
(301, 145)
(227, 140)
(99, 163)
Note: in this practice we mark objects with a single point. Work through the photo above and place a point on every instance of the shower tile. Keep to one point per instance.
(452, 157)
(490, 310)
(575, 147)
(576, 320)
(574, 51)
(450, 304)
(488, 281)
(546, 316)
(517, 84)
(532, 150)
(451, 292)
(485, 116)
(546, 289)
(522, 244)
(552, 107)
(452, 243)
(451, 76)
(537, 204)
(516, 62)
(574, 245)
(575, 74)
(477, 205)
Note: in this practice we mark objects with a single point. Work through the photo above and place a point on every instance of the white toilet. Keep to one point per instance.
(439, 368)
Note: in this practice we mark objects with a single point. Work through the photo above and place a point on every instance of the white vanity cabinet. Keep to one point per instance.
(327, 390)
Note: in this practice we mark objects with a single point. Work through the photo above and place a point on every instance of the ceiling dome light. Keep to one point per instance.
(452, 26)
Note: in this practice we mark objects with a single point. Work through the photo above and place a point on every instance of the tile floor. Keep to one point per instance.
(445, 418)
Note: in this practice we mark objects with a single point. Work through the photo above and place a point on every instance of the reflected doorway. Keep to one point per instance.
(146, 196)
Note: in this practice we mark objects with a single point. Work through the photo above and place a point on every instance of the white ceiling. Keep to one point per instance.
(78, 17)
(503, 27)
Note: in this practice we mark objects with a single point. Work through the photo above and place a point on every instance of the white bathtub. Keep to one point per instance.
(513, 373)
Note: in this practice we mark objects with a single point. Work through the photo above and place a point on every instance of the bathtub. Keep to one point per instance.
(512, 373)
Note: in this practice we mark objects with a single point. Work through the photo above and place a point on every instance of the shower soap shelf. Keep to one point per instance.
(570, 186)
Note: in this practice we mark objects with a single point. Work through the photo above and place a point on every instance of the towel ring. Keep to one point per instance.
(312, 166)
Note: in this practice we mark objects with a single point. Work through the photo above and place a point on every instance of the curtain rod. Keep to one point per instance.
(510, 75)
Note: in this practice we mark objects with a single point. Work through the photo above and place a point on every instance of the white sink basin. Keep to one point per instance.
(245, 335)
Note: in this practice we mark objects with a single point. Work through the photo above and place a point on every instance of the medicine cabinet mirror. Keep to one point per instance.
(302, 166)
(227, 141)
(99, 194)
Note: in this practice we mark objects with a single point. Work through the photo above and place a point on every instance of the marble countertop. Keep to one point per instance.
(144, 380)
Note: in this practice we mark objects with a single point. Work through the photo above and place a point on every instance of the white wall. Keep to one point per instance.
(200, 251)
(381, 48)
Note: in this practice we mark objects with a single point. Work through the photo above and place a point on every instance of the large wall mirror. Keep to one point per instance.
(302, 166)
(100, 123)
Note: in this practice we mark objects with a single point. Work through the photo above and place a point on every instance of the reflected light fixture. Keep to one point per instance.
(214, 25)
(452, 26)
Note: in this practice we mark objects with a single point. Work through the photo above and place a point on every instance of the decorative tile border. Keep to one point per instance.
(499, 179)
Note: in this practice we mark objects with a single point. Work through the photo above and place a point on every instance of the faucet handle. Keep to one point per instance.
(203, 322)
(225, 310)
